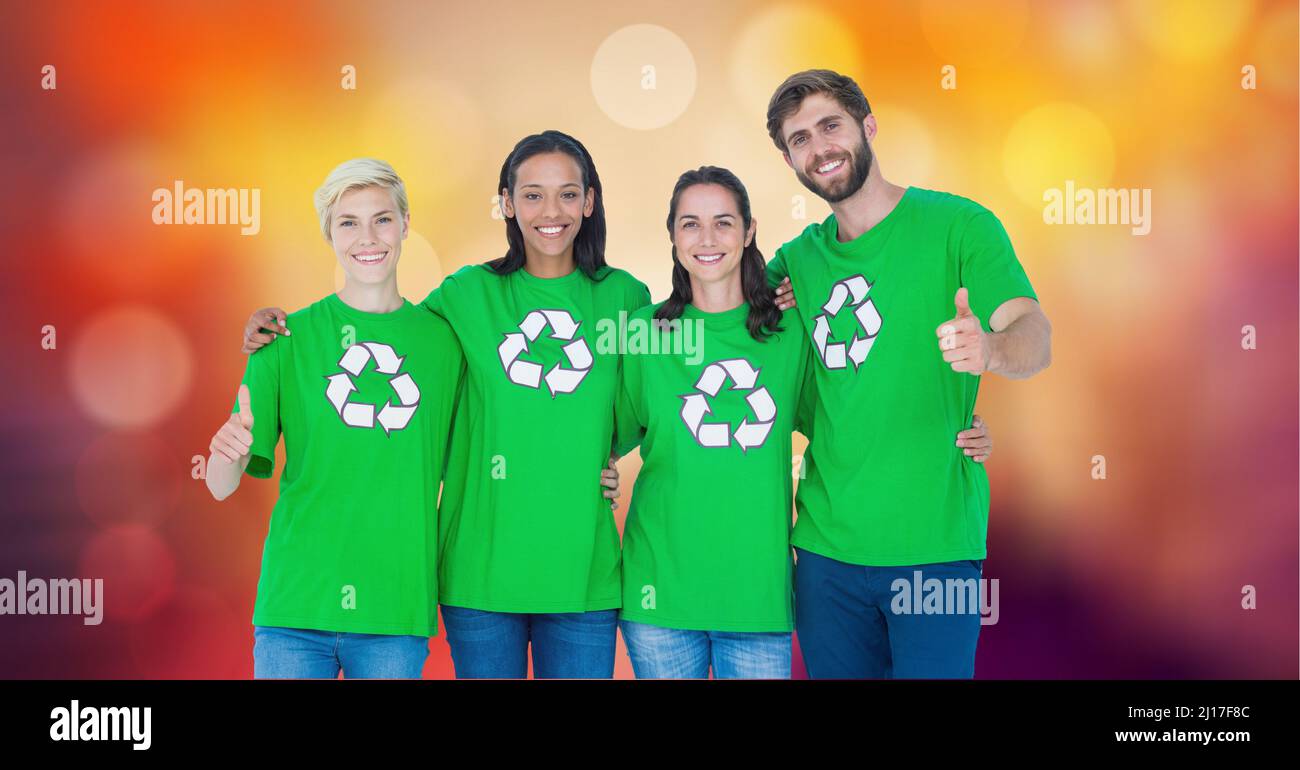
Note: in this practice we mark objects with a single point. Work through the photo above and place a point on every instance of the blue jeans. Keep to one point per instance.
(674, 653)
(853, 622)
(301, 653)
(566, 645)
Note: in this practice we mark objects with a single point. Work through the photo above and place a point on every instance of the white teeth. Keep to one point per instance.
(708, 259)
(553, 230)
(831, 166)
(369, 259)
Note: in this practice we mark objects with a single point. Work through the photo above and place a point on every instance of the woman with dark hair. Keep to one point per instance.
(528, 549)
(586, 243)
(707, 569)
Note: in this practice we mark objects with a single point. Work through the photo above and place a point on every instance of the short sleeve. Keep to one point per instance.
(777, 270)
(629, 418)
(449, 445)
(262, 376)
(638, 296)
(806, 404)
(989, 268)
(451, 357)
(433, 302)
(451, 381)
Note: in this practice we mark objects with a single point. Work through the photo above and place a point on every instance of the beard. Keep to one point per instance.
(859, 160)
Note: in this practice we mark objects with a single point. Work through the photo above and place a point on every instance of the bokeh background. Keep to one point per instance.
(1137, 575)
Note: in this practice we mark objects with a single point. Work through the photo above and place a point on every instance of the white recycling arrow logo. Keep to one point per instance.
(559, 379)
(835, 355)
(744, 376)
(391, 416)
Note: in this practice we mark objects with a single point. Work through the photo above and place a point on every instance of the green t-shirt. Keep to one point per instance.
(886, 485)
(707, 540)
(523, 525)
(364, 402)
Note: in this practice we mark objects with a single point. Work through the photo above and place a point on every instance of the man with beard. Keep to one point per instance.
(909, 296)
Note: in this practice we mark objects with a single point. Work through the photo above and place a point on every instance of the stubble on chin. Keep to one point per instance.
(859, 169)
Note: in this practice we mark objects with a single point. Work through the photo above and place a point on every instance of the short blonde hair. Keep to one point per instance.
(353, 175)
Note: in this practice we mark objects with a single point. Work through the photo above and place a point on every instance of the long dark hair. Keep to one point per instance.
(764, 317)
(589, 243)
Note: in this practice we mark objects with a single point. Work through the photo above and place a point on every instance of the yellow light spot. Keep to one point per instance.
(1053, 143)
(1190, 29)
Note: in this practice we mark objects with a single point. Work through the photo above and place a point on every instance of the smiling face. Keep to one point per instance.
(709, 234)
(827, 148)
(549, 203)
(366, 231)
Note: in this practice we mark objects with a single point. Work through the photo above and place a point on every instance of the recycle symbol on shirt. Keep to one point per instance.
(836, 355)
(391, 416)
(559, 378)
(748, 434)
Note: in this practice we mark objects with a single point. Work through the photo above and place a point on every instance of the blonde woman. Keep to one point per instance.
(362, 392)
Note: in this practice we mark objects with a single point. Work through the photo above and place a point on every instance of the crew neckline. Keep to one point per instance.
(569, 277)
(337, 302)
(831, 229)
(734, 316)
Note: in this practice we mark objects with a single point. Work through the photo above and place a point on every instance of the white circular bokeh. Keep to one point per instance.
(130, 366)
(784, 39)
(643, 76)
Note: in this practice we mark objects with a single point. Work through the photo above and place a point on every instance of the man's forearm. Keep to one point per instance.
(1023, 349)
(223, 476)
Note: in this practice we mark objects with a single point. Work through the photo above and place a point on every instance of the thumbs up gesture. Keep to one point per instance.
(962, 340)
(234, 440)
